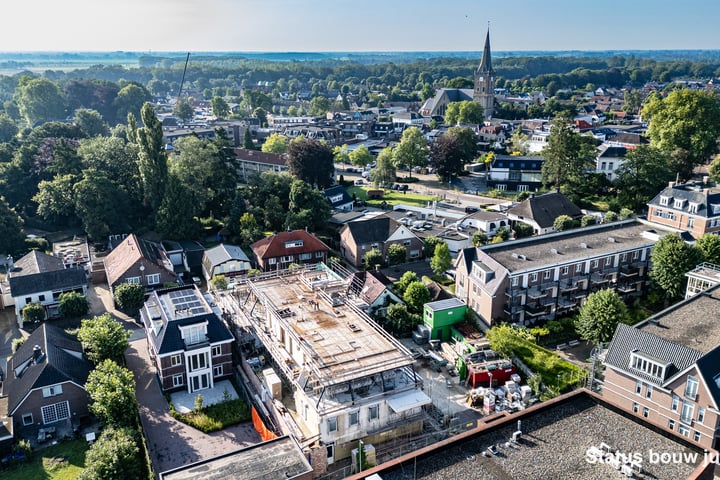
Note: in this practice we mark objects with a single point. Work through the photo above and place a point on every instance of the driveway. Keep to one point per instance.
(172, 444)
(8, 331)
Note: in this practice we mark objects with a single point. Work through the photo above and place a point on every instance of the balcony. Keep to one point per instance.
(196, 343)
(535, 310)
(512, 309)
(514, 292)
(568, 285)
(598, 278)
(536, 293)
(629, 271)
(564, 302)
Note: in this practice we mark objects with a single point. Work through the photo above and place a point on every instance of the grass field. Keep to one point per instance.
(391, 197)
(63, 461)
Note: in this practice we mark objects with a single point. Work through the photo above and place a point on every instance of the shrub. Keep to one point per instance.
(17, 343)
(219, 282)
(587, 220)
(33, 312)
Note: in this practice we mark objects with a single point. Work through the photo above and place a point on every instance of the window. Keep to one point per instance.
(658, 213)
(354, 418)
(648, 391)
(305, 256)
(133, 280)
(664, 201)
(153, 279)
(636, 254)
(636, 407)
(693, 207)
(578, 267)
(686, 415)
(406, 243)
(671, 424)
(623, 257)
(595, 263)
(294, 243)
(216, 351)
(546, 274)
(638, 387)
(679, 203)
(639, 361)
(691, 388)
(319, 255)
(55, 412)
(198, 361)
(514, 281)
(608, 261)
(533, 277)
(675, 402)
(287, 258)
(41, 298)
(178, 380)
(696, 436)
(272, 261)
(175, 360)
(193, 335)
(414, 253)
(701, 414)
(684, 430)
(646, 412)
(565, 270)
(27, 419)
(603, 165)
(28, 300)
(374, 245)
(52, 391)
(691, 222)
(332, 424)
(218, 371)
(374, 412)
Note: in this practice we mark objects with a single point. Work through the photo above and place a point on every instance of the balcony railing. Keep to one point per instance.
(536, 293)
(535, 310)
(203, 341)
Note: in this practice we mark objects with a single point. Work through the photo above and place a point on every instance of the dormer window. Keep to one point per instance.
(693, 207)
(294, 243)
(679, 203)
(648, 364)
(665, 201)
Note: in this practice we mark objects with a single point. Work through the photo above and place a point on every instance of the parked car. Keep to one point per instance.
(359, 181)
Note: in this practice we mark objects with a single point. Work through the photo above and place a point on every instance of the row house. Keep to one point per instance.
(189, 344)
(666, 370)
(691, 207)
(542, 278)
(250, 163)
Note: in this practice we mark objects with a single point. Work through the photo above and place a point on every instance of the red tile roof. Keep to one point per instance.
(274, 245)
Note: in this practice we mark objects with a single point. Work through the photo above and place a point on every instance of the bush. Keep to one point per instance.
(17, 343)
(215, 417)
(129, 296)
(219, 282)
(73, 305)
(587, 220)
(33, 312)
(610, 216)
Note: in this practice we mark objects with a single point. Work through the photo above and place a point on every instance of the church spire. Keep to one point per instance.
(486, 61)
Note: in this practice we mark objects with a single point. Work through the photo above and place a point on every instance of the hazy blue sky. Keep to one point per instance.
(357, 25)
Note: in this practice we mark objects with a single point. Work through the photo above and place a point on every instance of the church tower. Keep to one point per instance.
(484, 92)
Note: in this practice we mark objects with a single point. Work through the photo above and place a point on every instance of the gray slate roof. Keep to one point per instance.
(335, 191)
(39, 272)
(544, 209)
(222, 253)
(60, 362)
(376, 229)
(696, 193)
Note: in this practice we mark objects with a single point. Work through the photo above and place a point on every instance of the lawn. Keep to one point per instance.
(215, 417)
(556, 373)
(63, 461)
(391, 197)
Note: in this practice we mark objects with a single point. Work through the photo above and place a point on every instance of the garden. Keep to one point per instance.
(63, 461)
(215, 417)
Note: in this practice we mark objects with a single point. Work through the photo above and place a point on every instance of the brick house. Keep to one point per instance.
(665, 370)
(541, 278)
(135, 260)
(690, 207)
(359, 237)
(280, 250)
(188, 341)
(540, 211)
(45, 382)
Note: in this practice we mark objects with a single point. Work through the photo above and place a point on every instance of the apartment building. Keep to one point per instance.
(349, 379)
(691, 207)
(666, 370)
(541, 278)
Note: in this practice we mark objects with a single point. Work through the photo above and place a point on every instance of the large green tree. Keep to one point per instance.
(98, 204)
(103, 338)
(131, 99)
(183, 110)
(361, 156)
(687, 121)
(441, 260)
(643, 173)
(308, 205)
(12, 239)
(567, 155)
(275, 143)
(152, 160)
(112, 392)
(464, 112)
(709, 248)
(412, 151)
(384, 173)
(176, 217)
(416, 296)
(129, 296)
(312, 162)
(114, 456)
(73, 304)
(91, 123)
(671, 259)
(599, 316)
(220, 108)
(447, 154)
(40, 100)
(396, 254)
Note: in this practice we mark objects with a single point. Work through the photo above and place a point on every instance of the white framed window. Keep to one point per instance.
(674, 403)
(636, 407)
(414, 253)
(319, 255)
(646, 412)
(691, 388)
(608, 261)
(27, 419)
(595, 263)
(178, 380)
(374, 412)
(55, 412)
(354, 418)
(198, 362)
(332, 424)
(686, 414)
(701, 414)
(684, 430)
(153, 279)
(546, 274)
(623, 257)
(664, 201)
(287, 258)
(406, 243)
(578, 267)
(52, 391)
(175, 360)
(648, 391)
(696, 436)
(533, 277)
(636, 254)
(514, 281)
(641, 362)
(305, 256)
(218, 371)
(565, 270)
(691, 222)
(133, 280)
(216, 351)
(272, 261)
(638, 387)
(671, 424)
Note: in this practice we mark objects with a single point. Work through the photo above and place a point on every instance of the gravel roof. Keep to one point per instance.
(555, 441)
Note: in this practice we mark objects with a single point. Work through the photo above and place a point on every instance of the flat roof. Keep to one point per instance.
(573, 245)
(692, 322)
(277, 459)
(555, 438)
(343, 342)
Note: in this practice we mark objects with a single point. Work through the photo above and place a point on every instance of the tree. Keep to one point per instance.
(384, 174)
(152, 160)
(599, 316)
(467, 140)
(709, 247)
(341, 154)
(522, 230)
(183, 110)
(441, 260)
(312, 162)
(114, 456)
(91, 123)
(406, 279)
(98, 203)
(518, 142)
(399, 320)
(8, 129)
(643, 173)
(447, 154)
(464, 112)
(33, 312)
(130, 297)
(429, 245)
(219, 282)
(567, 155)
(12, 239)
(373, 258)
(563, 222)
(310, 204)
(103, 338)
(177, 215)
(319, 106)
(687, 120)
(412, 150)
(671, 259)
(112, 392)
(502, 233)
(73, 304)
(248, 142)
(250, 231)
(361, 156)
(479, 239)
(261, 114)
(416, 296)
(40, 100)
(396, 254)
(275, 143)
(131, 99)
(220, 107)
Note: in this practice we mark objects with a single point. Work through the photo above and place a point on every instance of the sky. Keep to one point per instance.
(357, 25)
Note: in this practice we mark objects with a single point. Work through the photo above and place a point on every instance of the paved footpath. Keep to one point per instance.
(172, 444)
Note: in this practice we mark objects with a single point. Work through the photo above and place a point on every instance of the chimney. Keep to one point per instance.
(671, 184)
(706, 179)
(37, 351)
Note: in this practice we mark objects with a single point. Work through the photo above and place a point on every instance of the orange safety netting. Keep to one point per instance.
(259, 425)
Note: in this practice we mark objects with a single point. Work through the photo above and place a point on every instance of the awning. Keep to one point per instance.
(408, 400)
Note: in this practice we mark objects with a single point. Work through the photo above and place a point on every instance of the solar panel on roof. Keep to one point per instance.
(198, 310)
(175, 294)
